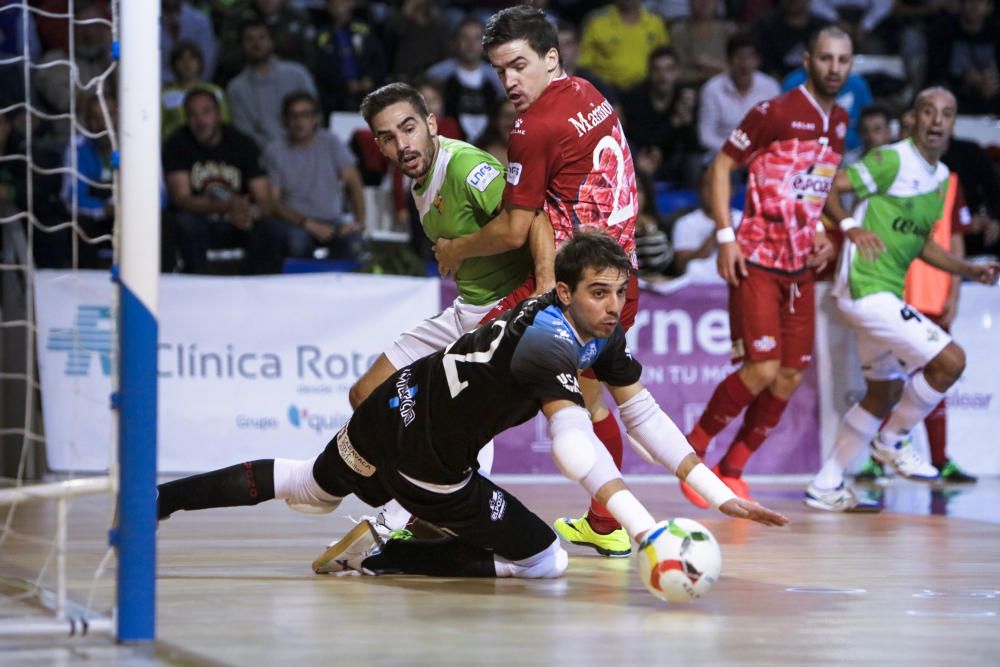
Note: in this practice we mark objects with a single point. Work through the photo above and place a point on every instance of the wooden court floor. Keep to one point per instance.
(905, 587)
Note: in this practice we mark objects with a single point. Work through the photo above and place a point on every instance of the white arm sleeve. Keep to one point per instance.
(577, 452)
(650, 428)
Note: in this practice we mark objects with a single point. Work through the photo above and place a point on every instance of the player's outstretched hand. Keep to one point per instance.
(746, 509)
(868, 243)
(986, 273)
(732, 265)
(822, 252)
(448, 261)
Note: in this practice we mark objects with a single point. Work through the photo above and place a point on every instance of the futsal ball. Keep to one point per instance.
(679, 560)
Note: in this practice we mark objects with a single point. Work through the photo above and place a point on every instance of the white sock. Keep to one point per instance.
(919, 399)
(856, 430)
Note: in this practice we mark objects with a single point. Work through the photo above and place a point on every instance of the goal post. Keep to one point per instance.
(139, 257)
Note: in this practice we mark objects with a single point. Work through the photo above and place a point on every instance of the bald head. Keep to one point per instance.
(934, 120)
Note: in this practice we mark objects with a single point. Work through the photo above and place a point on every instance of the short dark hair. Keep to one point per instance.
(521, 22)
(186, 46)
(830, 30)
(589, 250)
(740, 40)
(389, 94)
(873, 110)
(296, 96)
(199, 91)
(662, 52)
(254, 22)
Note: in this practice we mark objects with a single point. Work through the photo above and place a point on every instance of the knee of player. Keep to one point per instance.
(881, 397)
(947, 366)
(758, 375)
(787, 380)
(549, 564)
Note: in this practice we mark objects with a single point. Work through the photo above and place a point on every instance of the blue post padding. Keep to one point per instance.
(137, 459)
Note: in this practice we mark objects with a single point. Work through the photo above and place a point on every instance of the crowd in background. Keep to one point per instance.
(248, 85)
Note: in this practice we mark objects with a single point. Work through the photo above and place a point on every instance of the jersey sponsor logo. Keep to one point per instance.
(514, 173)
(584, 124)
(438, 203)
(482, 175)
(802, 125)
(354, 461)
(740, 139)
(569, 382)
(765, 344)
(588, 353)
(405, 398)
(841, 130)
(498, 505)
(517, 129)
(904, 226)
(813, 183)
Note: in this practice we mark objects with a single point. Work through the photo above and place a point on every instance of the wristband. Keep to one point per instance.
(849, 223)
(708, 486)
(820, 227)
(725, 235)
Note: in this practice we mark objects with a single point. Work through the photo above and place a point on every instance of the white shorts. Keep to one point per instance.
(894, 339)
(437, 332)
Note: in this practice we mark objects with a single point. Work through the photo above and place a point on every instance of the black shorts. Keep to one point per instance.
(480, 513)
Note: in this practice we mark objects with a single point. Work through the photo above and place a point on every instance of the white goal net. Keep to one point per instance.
(58, 202)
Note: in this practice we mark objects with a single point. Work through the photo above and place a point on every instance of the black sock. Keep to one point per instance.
(444, 557)
(242, 484)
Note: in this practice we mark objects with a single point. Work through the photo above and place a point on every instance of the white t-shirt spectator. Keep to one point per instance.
(690, 231)
(722, 106)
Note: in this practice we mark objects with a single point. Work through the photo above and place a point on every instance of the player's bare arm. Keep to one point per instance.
(657, 439)
(732, 264)
(985, 273)
(867, 242)
(541, 240)
(822, 249)
(508, 231)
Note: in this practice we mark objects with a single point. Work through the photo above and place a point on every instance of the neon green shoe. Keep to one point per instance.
(871, 471)
(615, 544)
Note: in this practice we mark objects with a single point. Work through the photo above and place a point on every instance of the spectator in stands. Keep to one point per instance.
(309, 171)
(255, 94)
(854, 96)
(180, 20)
(874, 129)
(417, 36)
(89, 191)
(434, 97)
(858, 18)
(350, 59)
(617, 41)
(700, 42)
(695, 247)
(569, 56)
(186, 63)
(18, 37)
(965, 57)
(981, 185)
(726, 98)
(782, 35)
(92, 49)
(293, 34)
(660, 121)
(652, 247)
(218, 194)
(496, 136)
(906, 34)
(470, 85)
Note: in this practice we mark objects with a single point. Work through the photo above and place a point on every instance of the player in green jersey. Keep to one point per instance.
(457, 188)
(908, 361)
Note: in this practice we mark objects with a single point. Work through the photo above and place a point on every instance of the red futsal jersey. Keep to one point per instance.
(568, 155)
(793, 149)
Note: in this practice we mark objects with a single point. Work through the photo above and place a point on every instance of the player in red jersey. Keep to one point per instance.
(567, 156)
(793, 145)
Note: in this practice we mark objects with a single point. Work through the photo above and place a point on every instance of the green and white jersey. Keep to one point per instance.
(460, 194)
(902, 197)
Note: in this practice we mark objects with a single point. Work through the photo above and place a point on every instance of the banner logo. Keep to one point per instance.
(91, 335)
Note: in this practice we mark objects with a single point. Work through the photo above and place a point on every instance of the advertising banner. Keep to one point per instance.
(249, 367)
